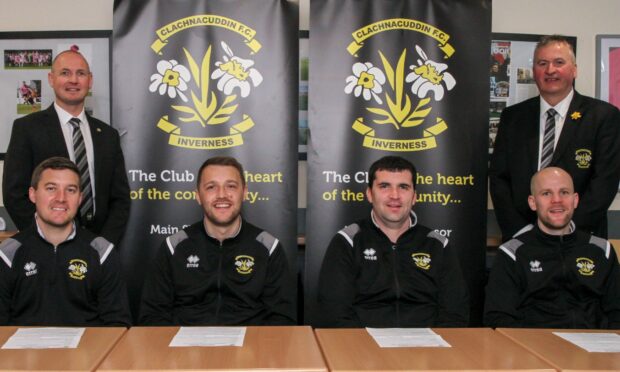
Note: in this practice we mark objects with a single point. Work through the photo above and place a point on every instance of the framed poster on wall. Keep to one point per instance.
(608, 68)
(27, 60)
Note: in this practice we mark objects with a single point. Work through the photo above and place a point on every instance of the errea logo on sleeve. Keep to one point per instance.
(370, 254)
(30, 268)
(535, 266)
(192, 261)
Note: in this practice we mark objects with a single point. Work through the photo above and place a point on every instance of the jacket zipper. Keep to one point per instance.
(396, 283)
(54, 268)
(219, 284)
(566, 278)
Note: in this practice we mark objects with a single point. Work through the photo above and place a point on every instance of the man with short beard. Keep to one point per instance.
(54, 273)
(221, 270)
(387, 269)
(551, 275)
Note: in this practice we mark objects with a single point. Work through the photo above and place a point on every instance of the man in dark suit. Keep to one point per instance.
(581, 136)
(48, 133)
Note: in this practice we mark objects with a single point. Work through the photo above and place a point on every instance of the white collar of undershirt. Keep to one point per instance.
(561, 108)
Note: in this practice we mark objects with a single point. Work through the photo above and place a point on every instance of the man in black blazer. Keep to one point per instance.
(48, 133)
(585, 142)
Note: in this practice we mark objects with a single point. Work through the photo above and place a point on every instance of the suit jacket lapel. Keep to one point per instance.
(53, 131)
(531, 126)
(95, 133)
(569, 128)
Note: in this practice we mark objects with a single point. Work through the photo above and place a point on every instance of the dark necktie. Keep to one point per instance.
(548, 139)
(79, 150)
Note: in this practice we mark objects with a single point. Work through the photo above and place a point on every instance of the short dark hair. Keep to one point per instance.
(56, 163)
(391, 164)
(556, 39)
(226, 161)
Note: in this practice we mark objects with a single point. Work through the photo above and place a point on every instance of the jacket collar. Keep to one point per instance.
(571, 123)
(554, 239)
(413, 219)
(413, 222)
(204, 228)
(42, 235)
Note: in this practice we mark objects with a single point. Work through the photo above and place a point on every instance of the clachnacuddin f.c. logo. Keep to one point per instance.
(77, 269)
(422, 260)
(585, 266)
(399, 91)
(244, 264)
(204, 91)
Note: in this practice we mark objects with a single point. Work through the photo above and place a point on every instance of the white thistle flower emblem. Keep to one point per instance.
(171, 78)
(428, 76)
(236, 72)
(366, 81)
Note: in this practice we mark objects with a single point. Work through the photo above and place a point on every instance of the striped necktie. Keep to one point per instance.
(548, 139)
(79, 150)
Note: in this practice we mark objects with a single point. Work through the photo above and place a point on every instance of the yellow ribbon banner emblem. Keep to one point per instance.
(427, 142)
(368, 31)
(204, 20)
(205, 143)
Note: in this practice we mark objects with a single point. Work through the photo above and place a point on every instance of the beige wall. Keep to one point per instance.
(582, 18)
(59, 15)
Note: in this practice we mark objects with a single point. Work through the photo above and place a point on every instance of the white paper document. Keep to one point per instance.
(44, 338)
(593, 342)
(407, 337)
(208, 336)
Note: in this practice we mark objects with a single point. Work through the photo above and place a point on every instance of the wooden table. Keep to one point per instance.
(265, 348)
(95, 344)
(6, 234)
(560, 353)
(473, 349)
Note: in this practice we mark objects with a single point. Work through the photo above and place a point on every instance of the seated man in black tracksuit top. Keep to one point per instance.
(222, 270)
(387, 270)
(551, 275)
(54, 273)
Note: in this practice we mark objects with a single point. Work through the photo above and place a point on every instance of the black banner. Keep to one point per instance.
(407, 78)
(196, 79)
